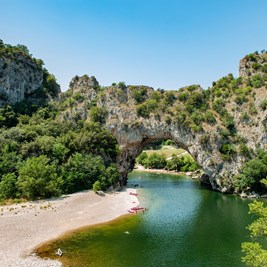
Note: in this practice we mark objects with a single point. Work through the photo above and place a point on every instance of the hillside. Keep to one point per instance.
(222, 127)
(24, 82)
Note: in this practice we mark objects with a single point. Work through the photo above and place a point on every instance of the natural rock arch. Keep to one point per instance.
(220, 127)
(132, 141)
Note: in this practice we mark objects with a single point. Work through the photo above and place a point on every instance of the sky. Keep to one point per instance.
(160, 43)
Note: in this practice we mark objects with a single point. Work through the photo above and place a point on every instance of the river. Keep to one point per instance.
(185, 225)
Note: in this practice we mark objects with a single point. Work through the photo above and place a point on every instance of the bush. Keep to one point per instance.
(122, 85)
(252, 173)
(244, 150)
(209, 117)
(39, 178)
(8, 187)
(155, 161)
(183, 96)
(81, 171)
(139, 94)
(78, 97)
(146, 108)
(98, 114)
(97, 186)
(227, 151)
(169, 98)
(182, 163)
(263, 104)
(141, 158)
(197, 118)
(169, 142)
(256, 81)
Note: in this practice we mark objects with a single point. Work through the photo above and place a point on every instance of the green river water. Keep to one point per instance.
(185, 225)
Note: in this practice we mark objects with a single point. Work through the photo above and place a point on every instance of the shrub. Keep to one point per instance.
(182, 163)
(146, 108)
(196, 101)
(169, 142)
(168, 119)
(156, 96)
(122, 85)
(141, 158)
(209, 117)
(155, 161)
(81, 171)
(98, 114)
(227, 151)
(251, 174)
(256, 81)
(78, 97)
(218, 105)
(169, 98)
(197, 118)
(183, 96)
(97, 186)
(240, 99)
(139, 94)
(263, 104)
(8, 187)
(244, 150)
(39, 178)
(264, 68)
(204, 139)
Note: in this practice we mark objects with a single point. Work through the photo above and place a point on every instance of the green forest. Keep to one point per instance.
(43, 157)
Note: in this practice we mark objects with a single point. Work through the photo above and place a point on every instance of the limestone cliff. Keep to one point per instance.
(22, 76)
(221, 127)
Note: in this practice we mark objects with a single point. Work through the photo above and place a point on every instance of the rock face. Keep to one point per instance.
(18, 79)
(252, 64)
(220, 127)
(21, 76)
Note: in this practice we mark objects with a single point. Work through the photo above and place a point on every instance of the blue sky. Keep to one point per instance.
(161, 43)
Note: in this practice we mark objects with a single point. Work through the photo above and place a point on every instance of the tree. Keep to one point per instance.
(8, 186)
(252, 173)
(23, 48)
(98, 114)
(155, 161)
(38, 177)
(255, 253)
(141, 158)
(81, 171)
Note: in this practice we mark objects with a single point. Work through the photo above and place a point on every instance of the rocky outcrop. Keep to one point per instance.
(253, 64)
(220, 127)
(22, 76)
(18, 79)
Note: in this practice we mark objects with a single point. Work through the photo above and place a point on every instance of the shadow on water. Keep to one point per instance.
(185, 225)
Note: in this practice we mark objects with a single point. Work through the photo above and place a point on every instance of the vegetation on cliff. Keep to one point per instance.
(255, 253)
(67, 139)
(36, 87)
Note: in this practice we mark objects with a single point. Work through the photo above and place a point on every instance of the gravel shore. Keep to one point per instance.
(27, 225)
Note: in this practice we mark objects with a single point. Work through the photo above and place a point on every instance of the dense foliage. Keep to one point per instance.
(252, 173)
(43, 156)
(178, 163)
(255, 253)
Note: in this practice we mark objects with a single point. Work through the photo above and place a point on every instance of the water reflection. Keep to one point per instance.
(185, 225)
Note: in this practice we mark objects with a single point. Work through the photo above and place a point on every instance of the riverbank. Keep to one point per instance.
(193, 175)
(25, 226)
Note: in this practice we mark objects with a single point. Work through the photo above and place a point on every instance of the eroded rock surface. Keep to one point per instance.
(22, 77)
(220, 127)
